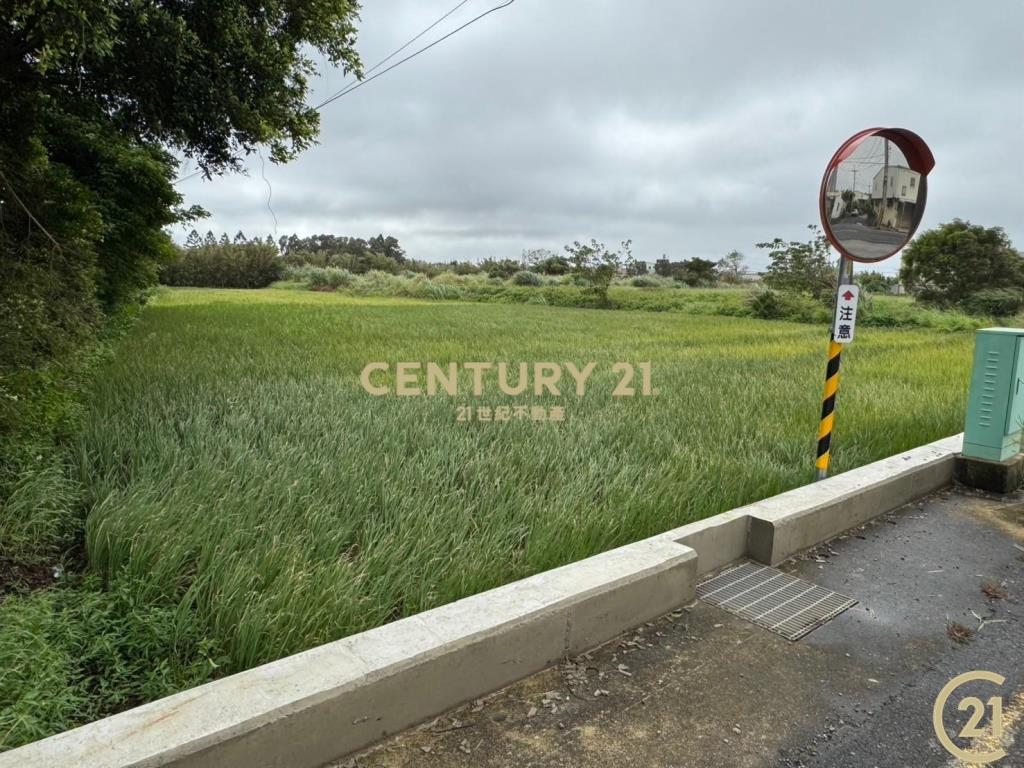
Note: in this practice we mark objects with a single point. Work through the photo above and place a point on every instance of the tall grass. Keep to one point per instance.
(235, 465)
(248, 499)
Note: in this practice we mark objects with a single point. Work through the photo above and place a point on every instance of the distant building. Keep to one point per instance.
(894, 192)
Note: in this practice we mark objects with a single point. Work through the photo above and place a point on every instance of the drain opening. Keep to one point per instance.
(784, 604)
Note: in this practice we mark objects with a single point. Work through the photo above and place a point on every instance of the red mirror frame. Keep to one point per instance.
(919, 157)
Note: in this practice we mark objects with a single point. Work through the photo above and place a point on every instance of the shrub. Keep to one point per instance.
(329, 278)
(994, 302)
(796, 307)
(439, 290)
(224, 265)
(765, 304)
(504, 268)
(650, 281)
(525, 277)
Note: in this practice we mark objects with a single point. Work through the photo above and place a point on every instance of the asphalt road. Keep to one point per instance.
(858, 230)
(702, 688)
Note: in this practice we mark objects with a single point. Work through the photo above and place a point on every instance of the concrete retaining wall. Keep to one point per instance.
(790, 522)
(319, 705)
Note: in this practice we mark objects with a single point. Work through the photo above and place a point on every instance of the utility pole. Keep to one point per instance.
(885, 185)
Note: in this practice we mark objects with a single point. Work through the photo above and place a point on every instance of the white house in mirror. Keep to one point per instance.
(899, 186)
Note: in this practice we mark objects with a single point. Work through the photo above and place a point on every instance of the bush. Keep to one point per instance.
(765, 304)
(504, 268)
(651, 281)
(796, 307)
(329, 278)
(525, 277)
(994, 302)
(224, 265)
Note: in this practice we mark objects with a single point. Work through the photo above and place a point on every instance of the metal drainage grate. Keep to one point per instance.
(784, 604)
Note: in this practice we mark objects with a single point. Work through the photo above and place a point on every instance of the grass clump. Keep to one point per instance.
(78, 652)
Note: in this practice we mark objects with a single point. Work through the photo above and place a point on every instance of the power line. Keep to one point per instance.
(348, 89)
(399, 63)
(402, 48)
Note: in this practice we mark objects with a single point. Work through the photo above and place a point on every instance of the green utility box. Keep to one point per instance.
(995, 405)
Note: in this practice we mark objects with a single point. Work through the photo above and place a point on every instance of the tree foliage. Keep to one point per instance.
(804, 267)
(241, 263)
(696, 272)
(595, 263)
(95, 98)
(950, 263)
(730, 267)
(355, 254)
(875, 282)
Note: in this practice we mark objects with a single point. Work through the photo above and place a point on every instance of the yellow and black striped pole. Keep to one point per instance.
(828, 409)
(828, 402)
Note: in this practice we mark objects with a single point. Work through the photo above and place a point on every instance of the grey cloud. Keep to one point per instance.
(692, 128)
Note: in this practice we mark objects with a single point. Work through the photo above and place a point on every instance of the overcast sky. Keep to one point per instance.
(693, 128)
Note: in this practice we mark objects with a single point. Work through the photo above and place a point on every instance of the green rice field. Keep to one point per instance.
(234, 461)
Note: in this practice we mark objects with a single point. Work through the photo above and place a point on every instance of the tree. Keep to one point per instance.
(546, 262)
(636, 268)
(801, 267)
(503, 268)
(948, 264)
(387, 246)
(96, 95)
(352, 253)
(695, 272)
(730, 267)
(598, 265)
(874, 282)
(663, 267)
(178, 73)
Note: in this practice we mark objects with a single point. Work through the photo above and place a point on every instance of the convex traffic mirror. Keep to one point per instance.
(874, 191)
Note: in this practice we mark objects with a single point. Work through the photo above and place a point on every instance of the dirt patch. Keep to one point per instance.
(18, 578)
(1008, 518)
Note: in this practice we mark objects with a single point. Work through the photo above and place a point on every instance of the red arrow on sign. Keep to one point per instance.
(848, 295)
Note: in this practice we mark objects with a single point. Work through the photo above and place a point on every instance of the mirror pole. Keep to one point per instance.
(828, 401)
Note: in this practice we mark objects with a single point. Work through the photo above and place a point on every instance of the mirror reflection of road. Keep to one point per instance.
(866, 241)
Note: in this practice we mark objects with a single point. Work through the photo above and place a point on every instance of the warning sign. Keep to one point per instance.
(846, 313)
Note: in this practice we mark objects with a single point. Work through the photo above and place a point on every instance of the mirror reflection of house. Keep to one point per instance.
(894, 192)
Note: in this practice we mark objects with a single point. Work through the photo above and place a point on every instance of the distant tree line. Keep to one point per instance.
(244, 262)
(212, 262)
